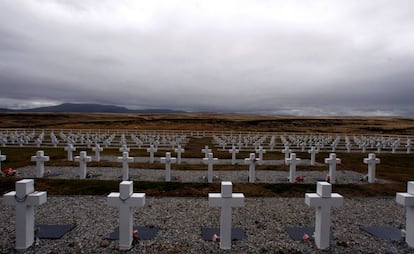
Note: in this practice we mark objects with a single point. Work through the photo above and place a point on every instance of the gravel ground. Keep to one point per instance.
(237, 176)
(180, 221)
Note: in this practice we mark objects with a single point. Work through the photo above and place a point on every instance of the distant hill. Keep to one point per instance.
(91, 108)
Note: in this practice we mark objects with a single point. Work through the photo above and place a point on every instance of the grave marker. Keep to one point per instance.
(287, 152)
(126, 200)
(233, 152)
(206, 151)
(125, 159)
(2, 158)
(97, 149)
(210, 161)
(168, 160)
(407, 199)
(332, 161)
(252, 167)
(226, 200)
(83, 159)
(313, 151)
(323, 200)
(40, 159)
(371, 161)
(179, 150)
(151, 150)
(70, 149)
(292, 162)
(260, 151)
(24, 199)
(124, 148)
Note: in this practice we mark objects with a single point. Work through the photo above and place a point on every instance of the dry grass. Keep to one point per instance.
(394, 167)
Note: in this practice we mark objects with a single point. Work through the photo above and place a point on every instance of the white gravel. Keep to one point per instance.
(180, 221)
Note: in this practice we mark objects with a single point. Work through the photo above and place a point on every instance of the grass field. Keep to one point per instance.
(398, 168)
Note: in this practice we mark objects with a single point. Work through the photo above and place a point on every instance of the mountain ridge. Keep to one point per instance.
(89, 108)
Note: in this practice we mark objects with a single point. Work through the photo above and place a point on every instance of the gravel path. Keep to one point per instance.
(180, 221)
(236, 176)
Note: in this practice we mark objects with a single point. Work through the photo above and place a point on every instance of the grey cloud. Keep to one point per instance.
(341, 56)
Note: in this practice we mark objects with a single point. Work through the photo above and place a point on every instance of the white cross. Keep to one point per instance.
(226, 200)
(292, 162)
(168, 160)
(124, 148)
(287, 152)
(179, 150)
(83, 160)
(70, 149)
(126, 200)
(332, 161)
(261, 151)
(125, 159)
(233, 152)
(40, 159)
(2, 158)
(210, 161)
(252, 167)
(371, 161)
(97, 149)
(348, 147)
(24, 198)
(313, 153)
(206, 151)
(323, 200)
(407, 199)
(151, 150)
(408, 146)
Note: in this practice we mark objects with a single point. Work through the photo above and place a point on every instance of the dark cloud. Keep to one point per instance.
(321, 57)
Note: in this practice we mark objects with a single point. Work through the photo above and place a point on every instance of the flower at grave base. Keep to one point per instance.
(8, 172)
(305, 237)
(215, 238)
(47, 173)
(135, 233)
(178, 178)
(328, 178)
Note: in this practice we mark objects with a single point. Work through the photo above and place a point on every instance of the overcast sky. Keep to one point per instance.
(276, 57)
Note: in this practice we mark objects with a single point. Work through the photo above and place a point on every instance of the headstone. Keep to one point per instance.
(233, 152)
(260, 151)
(168, 160)
(313, 153)
(323, 200)
(126, 200)
(292, 162)
(371, 161)
(179, 151)
(407, 199)
(206, 151)
(97, 149)
(287, 152)
(152, 150)
(210, 161)
(70, 149)
(252, 167)
(408, 146)
(40, 159)
(83, 159)
(124, 148)
(226, 200)
(2, 158)
(332, 161)
(24, 198)
(125, 159)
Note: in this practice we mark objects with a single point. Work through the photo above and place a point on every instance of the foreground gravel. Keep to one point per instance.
(180, 221)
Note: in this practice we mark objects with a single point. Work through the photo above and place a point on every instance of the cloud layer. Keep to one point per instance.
(282, 57)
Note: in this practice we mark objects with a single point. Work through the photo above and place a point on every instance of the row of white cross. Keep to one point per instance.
(25, 198)
(363, 142)
(209, 159)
